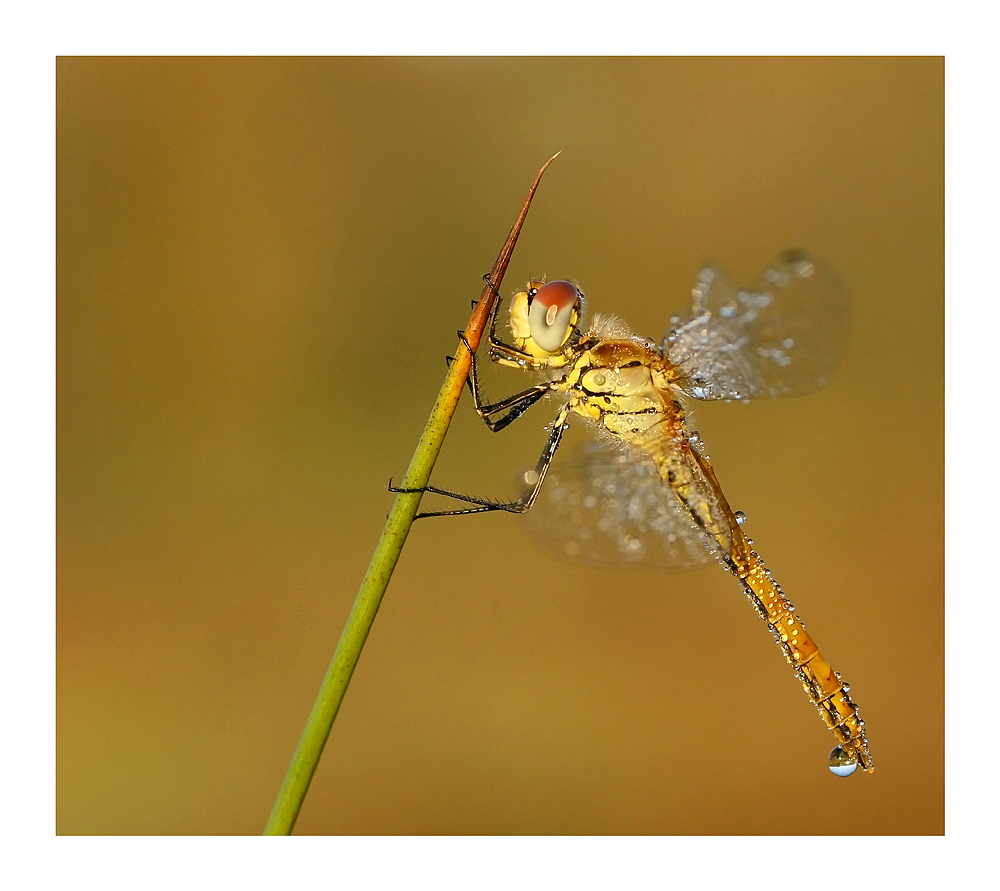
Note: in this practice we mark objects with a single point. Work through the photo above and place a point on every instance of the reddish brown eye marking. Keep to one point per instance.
(557, 294)
(551, 312)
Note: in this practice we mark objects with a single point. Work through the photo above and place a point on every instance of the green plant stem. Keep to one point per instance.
(404, 509)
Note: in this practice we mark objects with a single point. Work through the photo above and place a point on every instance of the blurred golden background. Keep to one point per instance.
(261, 264)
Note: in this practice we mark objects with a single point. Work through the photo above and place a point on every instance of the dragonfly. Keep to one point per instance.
(646, 490)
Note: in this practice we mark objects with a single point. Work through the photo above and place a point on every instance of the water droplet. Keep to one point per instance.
(804, 268)
(842, 764)
(741, 517)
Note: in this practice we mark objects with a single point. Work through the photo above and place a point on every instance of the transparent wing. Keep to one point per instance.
(608, 506)
(782, 337)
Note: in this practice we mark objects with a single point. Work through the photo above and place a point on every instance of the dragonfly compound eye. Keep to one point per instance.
(554, 310)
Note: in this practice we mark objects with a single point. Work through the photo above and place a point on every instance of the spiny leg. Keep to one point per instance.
(515, 405)
(519, 506)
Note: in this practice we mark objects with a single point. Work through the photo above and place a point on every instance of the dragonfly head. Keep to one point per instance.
(544, 317)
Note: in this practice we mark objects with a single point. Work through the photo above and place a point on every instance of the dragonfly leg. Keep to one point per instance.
(541, 468)
(482, 505)
(493, 287)
(515, 405)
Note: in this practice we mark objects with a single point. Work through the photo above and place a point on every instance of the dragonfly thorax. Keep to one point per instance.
(625, 387)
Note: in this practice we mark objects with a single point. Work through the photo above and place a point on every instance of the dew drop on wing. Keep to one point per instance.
(614, 508)
(783, 336)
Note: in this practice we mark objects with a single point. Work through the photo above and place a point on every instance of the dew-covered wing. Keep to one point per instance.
(782, 337)
(607, 505)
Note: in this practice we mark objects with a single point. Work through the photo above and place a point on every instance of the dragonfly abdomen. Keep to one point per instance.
(824, 686)
(708, 510)
(696, 486)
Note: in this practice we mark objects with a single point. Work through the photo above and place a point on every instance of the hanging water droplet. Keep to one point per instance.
(694, 438)
(741, 517)
(842, 764)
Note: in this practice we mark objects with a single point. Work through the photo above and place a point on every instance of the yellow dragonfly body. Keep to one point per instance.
(648, 492)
